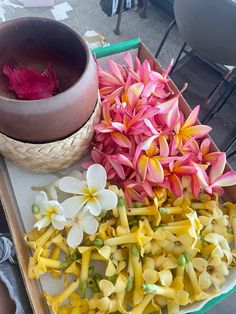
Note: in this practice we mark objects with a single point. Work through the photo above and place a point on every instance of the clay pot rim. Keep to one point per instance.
(70, 29)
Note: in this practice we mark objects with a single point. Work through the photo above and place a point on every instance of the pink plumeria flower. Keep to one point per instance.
(188, 130)
(216, 179)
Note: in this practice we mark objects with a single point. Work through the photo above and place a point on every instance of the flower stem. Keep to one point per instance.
(55, 253)
(122, 212)
(149, 211)
(125, 239)
(142, 306)
(52, 263)
(171, 210)
(164, 291)
(45, 237)
(84, 272)
(193, 278)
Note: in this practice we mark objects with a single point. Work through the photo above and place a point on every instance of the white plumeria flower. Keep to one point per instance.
(51, 211)
(83, 221)
(91, 193)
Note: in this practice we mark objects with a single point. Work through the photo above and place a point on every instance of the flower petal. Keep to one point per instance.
(89, 224)
(75, 236)
(116, 71)
(128, 59)
(197, 131)
(58, 221)
(73, 205)
(165, 277)
(72, 185)
(31, 84)
(134, 93)
(201, 175)
(120, 127)
(96, 177)
(149, 89)
(173, 117)
(205, 280)
(94, 207)
(217, 167)
(142, 166)
(164, 147)
(147, 144)
(205, 146)
(155, 170)
(192, 118)
(175, 185)
(123, 160)
(107, 199)
(41, 198)
(118, 168)
(185, 170)
(195, 186)
(226, 179)
(42, 223)
(120, 139)
(151, 126)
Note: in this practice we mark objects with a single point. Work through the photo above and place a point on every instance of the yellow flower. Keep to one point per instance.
(56, 300)
(177, 244)
(196, 227)
(211, 272)
(215, 222)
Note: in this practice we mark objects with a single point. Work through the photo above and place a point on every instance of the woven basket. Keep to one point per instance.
(53, 156)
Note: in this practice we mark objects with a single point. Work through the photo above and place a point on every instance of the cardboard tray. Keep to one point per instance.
(13, 214)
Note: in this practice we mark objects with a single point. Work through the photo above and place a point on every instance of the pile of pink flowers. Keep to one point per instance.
(144, 140)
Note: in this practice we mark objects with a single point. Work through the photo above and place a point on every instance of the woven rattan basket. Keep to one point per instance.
(52, 156)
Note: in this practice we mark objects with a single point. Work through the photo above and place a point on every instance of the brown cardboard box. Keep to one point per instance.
(15, 221)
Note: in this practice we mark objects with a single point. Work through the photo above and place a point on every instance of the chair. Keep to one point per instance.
(142, 6)
(207, 29)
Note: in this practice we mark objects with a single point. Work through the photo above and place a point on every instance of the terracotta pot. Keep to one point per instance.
(34, 42)
(208, 26)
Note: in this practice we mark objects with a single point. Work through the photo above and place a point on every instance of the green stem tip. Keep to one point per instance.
(135, 250)
(181, 260)
(187, 256)
(162, 210)
(64, 265)
(129, 285)
(121, 201)
(138, 204)
(98, 242)
(149, 288)
(35, 209)
(83, 288)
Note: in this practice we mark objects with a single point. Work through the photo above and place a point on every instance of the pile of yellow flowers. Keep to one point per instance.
(164, 253)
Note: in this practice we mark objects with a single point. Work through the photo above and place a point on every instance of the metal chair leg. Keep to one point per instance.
(172, 24)
(178, 57)
(218, 85)
(213, 112)
(231, 154)
(229, 146)
(143, 11)
(117, 29)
